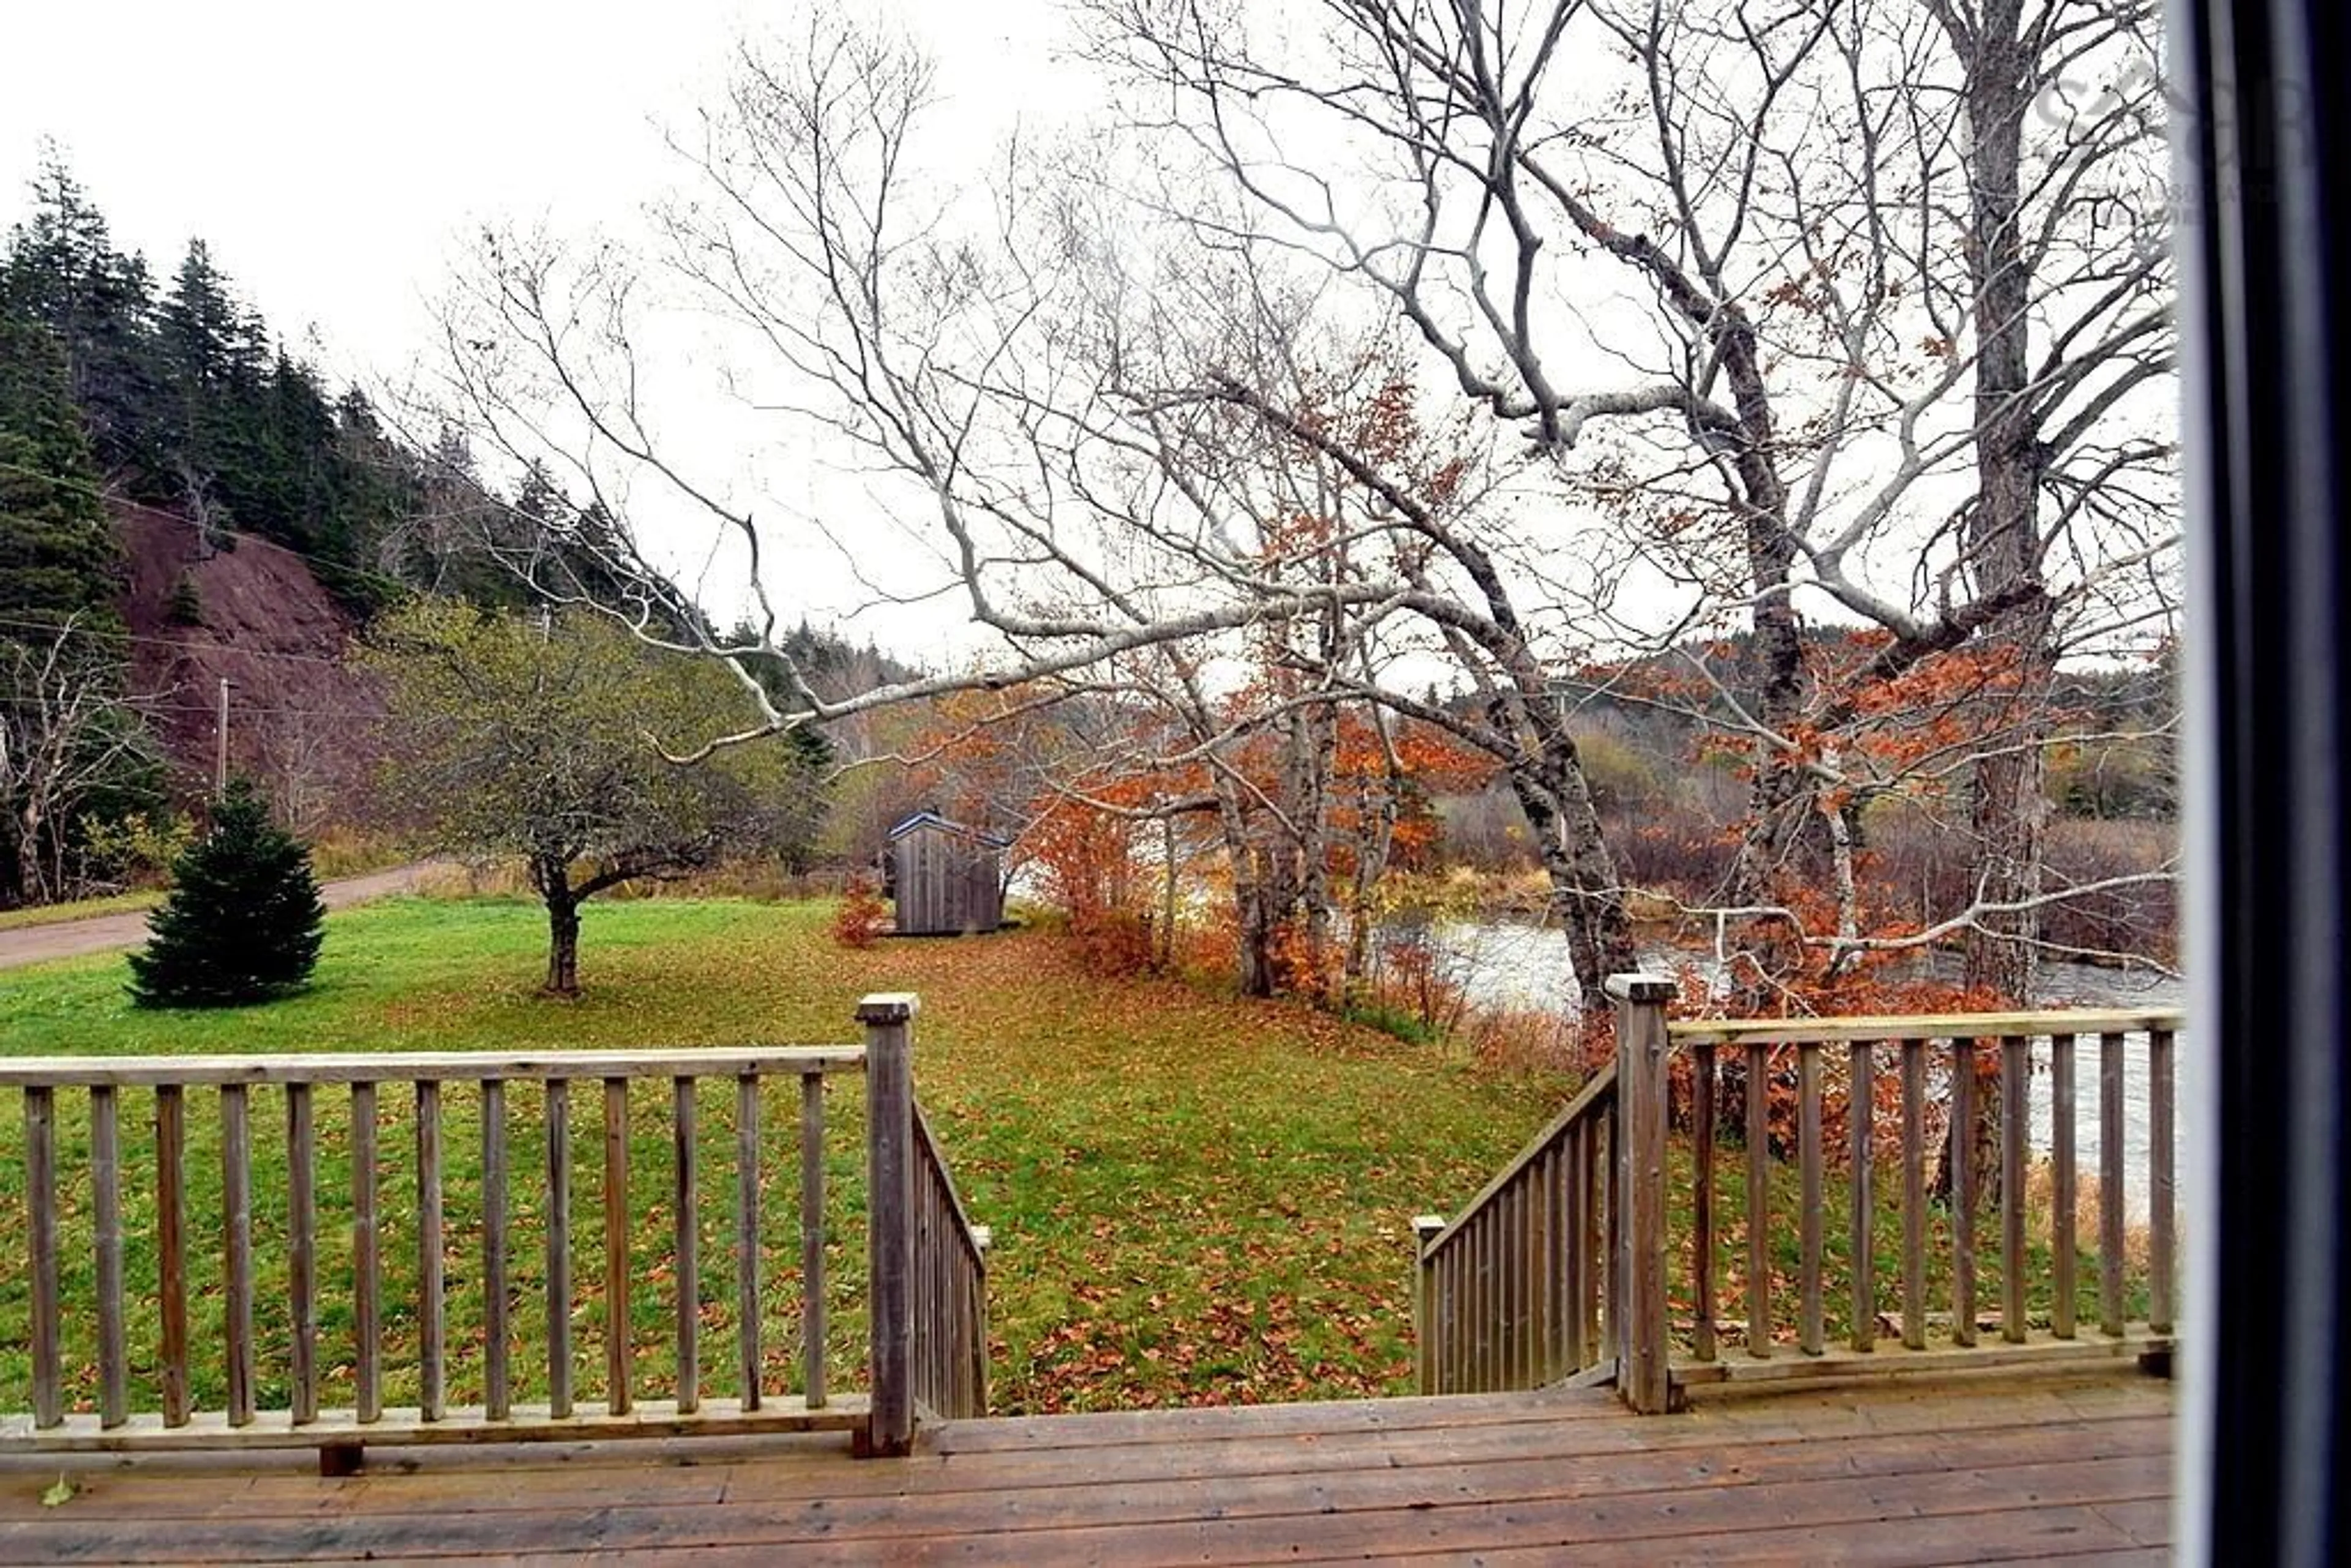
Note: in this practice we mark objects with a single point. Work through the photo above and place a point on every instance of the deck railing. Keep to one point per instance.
(1828, 1177)
(1512, 1294)
(1837, 1067)
(950, 1315)
(341, 1329)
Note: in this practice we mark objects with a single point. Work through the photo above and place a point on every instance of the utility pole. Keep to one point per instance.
(220, 745)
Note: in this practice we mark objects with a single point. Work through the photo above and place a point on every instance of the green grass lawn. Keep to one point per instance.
(1193, 1199)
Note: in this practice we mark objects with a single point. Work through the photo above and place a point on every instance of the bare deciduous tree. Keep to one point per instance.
(67, 734)
(1853, 305)
(1098, 484)
(1827, 311)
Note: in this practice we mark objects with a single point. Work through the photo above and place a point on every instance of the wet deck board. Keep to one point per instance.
(1955, 1470)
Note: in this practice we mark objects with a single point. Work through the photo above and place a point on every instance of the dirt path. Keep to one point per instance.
(71, 938)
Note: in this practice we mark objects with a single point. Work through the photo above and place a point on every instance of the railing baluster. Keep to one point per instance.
(1498, 1304)
(41, 1204)
(171, 1247)
(1448, 1319)
(2014, 1064)
(1914, 1193)
(1759, 1201)
(688, 1249)
(558, 1247)
(302, 1258)
(925, 1277)
(1962, 1144)
(746, 1237)
(2160, 1215)
(1551, 1272)
(1507, 1234)
(1702, 1120)
(1497, 1342)
(2111, 1162)
(617, 1335)
(1464, 1307)
(1481, 1302)
(1534, 1221)
(2063, 1241)
(1812, 1332)
(1498, 1286)
(1862, 1098)
(1479, 1267)
(1533, 1264)
(433, 1372)
(1576, 1252)
(934, 1244)
(495, 1371)
(982, 1237)
(1600, 1240)
(1511, 1239)
(236, 1204)
(106, 1178)
(367, 1326)
(812, 1361)
(1607, 1169)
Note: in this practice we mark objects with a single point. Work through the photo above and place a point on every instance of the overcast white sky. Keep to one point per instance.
(333, 155)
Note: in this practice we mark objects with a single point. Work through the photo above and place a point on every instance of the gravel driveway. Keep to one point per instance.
(71, 938)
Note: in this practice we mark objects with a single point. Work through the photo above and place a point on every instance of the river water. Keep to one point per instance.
(1523, 966)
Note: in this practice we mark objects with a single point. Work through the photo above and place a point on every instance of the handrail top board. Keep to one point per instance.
(424, 1067)
(1595, 1092)
(1923, 1026)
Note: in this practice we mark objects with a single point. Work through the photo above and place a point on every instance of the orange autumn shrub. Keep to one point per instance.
(862, 915)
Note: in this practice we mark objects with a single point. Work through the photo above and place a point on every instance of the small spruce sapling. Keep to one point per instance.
(243, 921)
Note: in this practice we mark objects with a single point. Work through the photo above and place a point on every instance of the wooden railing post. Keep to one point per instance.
(890, 1215)
(1642, 1088)
(982, 1238)
(1424, 1333)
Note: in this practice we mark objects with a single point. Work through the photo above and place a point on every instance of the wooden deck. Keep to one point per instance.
(1968, 1469)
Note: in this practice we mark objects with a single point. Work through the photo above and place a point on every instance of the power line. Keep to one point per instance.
(205, 710)
(101, 635)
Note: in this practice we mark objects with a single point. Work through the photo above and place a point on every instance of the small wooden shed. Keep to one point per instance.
(946, 879)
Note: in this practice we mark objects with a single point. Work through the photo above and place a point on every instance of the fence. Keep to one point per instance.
(333, 1328)
(1815, 1146)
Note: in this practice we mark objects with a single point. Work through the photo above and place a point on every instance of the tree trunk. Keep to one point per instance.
(2007, 806)
(44, 878)
(1586, 897)
(1376, 817)
(1314, 748)
(552, 877)
(563, 949)
(1780, 801)
(1168, 905)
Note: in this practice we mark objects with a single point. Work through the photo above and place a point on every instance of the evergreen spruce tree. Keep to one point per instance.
(58, 557)
(61, 271)
(243, 921)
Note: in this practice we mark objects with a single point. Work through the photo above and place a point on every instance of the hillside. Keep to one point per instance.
(300, 722)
